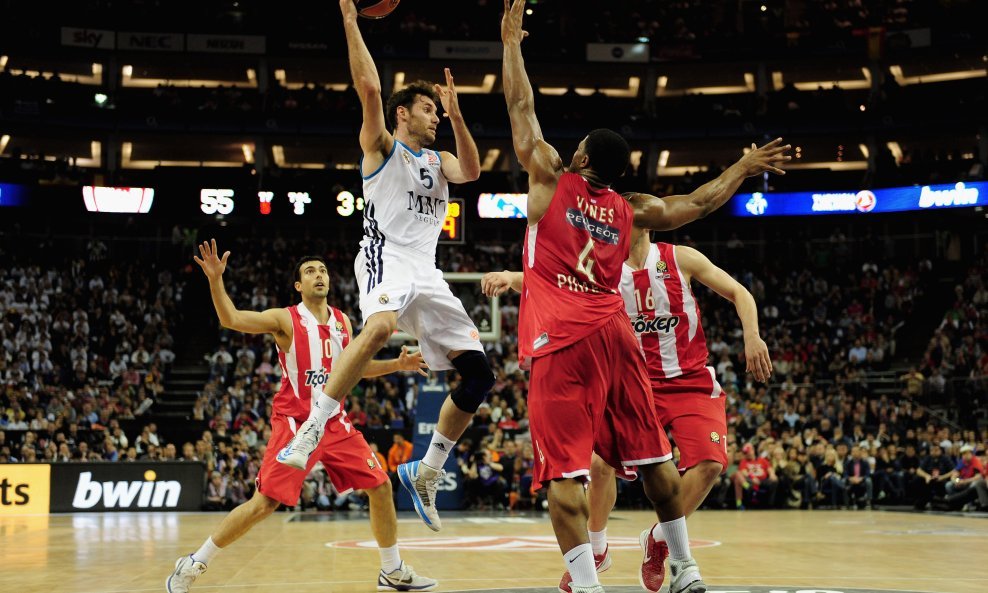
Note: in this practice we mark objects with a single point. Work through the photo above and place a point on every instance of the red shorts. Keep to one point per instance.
(692, 407)
(349, 462)
(593, 396)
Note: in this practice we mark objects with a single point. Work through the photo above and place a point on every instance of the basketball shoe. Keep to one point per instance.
(686, 577)
(601, 563)
(296, 452)
(654, 554)
(186, 572)
(422, 481)
(404, 578)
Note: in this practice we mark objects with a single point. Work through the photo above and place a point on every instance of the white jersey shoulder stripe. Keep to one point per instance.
(394, 146)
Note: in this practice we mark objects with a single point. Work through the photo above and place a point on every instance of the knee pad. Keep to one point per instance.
(476, 380)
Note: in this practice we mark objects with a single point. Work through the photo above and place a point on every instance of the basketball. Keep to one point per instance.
(375, 9)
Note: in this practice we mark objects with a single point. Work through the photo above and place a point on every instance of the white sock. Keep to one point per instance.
(598, 539)
(677, 538)
(657, 533)
(323, 408)
(206, 553)
(390, 559)
(439, 450)
(579, 562)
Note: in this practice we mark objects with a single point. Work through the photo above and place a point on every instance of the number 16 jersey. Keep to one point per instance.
(572, 263)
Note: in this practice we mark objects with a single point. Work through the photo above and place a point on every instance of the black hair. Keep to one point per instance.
(609, 154)
(307, 258)
(406, 98)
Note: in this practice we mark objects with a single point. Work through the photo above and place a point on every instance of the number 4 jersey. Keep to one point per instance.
(572, 261)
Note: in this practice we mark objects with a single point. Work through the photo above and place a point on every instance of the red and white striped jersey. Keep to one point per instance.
(307, 364)
(664, 315)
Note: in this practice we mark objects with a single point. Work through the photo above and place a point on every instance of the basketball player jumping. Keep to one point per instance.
(310, 338)
(588, 387)
(405, 199)
(655, 284)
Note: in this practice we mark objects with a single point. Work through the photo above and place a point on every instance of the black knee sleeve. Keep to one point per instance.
(476, 380)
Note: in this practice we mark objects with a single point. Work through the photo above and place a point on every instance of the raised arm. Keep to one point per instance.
(375, 140)
(464, 166)
(539, 159)
(696, 265)
(271, 321)
(662, 214)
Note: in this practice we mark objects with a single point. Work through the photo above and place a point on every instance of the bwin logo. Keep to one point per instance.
(316, 378)
(643, 324)
(148, 494)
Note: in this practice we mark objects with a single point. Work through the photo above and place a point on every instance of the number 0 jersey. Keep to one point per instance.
(664, 315)
(405, 202)
(572, 263)
(306, 366)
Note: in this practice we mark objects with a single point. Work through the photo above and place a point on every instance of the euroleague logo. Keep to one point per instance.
(865, 201)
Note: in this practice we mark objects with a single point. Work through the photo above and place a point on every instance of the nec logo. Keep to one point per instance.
(642, 324)
(316, 378)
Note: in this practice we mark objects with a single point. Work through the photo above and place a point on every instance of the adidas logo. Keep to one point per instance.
(439, 446)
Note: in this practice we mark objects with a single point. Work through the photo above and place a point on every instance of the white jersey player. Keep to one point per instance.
(406, 196)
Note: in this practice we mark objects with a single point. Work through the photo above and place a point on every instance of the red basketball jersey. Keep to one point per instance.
(664, 315)
(572, 262)
(307, 364)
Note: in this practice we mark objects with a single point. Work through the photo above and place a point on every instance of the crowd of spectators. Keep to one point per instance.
(87, 345)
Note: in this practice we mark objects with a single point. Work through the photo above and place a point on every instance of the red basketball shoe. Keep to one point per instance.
(653, 570)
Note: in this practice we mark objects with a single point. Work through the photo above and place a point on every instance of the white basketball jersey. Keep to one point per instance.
(405, 202)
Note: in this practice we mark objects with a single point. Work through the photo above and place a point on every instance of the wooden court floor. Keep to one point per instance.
(815, 551)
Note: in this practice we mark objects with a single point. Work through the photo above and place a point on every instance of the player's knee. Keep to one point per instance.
(264, 505)
(382, 491)
(601, 470)
(378, 330)
(708, 471)
(476, 380)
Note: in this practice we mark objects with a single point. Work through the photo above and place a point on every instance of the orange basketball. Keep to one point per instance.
(376, 9)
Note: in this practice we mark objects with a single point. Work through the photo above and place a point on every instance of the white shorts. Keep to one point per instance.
(410, 284)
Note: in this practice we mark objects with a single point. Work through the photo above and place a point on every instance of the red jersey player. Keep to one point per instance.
(309, 336)
(588, 387)
(655, 285)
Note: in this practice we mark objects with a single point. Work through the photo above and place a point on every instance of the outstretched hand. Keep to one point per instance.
(412, 362)
(495, 283)
(448, 97)
(212, 265)
(511, 31)
(765, 158)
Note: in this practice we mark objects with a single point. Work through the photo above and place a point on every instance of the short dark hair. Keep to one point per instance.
(609, 154)
(406, 98)
(306, 258)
